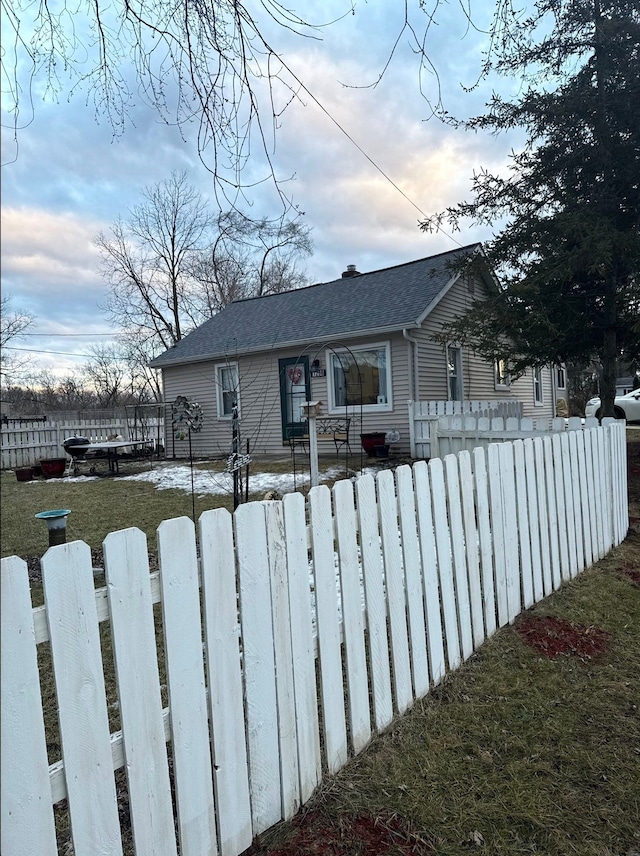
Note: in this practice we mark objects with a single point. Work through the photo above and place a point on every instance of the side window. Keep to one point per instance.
(227, 389)
(561, 377)
(454, 372)
(537, 386)
(501, 376)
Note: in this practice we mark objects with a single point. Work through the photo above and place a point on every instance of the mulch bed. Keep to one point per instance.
(385, 834)
(552, 637)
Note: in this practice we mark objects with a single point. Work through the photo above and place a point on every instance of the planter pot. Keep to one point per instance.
(53, 468)
(371, 441)
(24, 474)
(382, 451)
(37, 471)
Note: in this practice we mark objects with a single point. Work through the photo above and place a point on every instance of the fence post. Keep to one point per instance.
(412, 430)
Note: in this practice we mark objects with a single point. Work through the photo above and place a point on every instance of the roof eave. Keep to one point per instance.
(281, 346)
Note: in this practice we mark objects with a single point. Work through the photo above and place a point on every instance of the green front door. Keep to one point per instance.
(295, 390)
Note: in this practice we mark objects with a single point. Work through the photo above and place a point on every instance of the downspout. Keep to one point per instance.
(412, 366)
(412, 363)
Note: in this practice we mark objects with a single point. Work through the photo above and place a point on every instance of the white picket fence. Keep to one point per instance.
(452, 434)
(410, 572)
(423, 415)
(25, 445)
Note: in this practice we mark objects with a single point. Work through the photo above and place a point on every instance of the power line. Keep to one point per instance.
(71, 335)
(36, 351)
(361, 150)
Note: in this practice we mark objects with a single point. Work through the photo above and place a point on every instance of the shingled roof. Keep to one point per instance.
(381, 301)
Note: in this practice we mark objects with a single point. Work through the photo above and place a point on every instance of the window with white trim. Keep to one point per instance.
(501, 375)
(537, 386)
(454, 372)
(561, 377)
(227, 389)
(359, 377)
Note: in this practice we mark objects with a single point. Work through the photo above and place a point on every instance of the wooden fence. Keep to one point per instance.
(390, 582)
(452, 434)
(423, 414)
(25, 445)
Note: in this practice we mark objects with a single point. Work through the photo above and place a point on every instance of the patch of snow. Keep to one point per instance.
(207, 482)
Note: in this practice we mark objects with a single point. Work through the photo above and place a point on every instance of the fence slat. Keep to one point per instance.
(559, 487)
(304, 667)
(333, 712)
(522, 520)
(549, 538)
(126, 566)
(373, 573)
(533, 502)
(497, 528)
(25, 793)
(67, 577)
(259, 666)
(394, 578)
(459, 555)
(568, 504)
(413, 581)
(352, 616)
(222, 631)
(471, 542)
(276, 545)
(426, 535)
(485, 539)
(193, 777)
(445, 569)
(510, 530)
(575, 488)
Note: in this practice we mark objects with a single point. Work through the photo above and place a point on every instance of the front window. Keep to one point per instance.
(537, 386)
(360, 376)
(561, 377)
(454, 372)
(227, 389)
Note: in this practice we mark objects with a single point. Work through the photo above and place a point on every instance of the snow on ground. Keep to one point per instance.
(207, 482)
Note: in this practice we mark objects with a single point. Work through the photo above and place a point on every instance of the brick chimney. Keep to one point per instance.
(350, 271)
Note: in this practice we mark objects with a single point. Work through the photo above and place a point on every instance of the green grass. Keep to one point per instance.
(537, 755)
(104, 505)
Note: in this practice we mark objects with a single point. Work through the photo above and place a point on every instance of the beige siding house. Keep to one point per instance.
(363, 345)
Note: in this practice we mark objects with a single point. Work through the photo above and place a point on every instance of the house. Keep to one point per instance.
(363, 345)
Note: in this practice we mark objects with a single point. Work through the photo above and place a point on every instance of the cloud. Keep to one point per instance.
(72, 179)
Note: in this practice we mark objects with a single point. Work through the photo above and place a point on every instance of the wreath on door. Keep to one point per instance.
(294, 373)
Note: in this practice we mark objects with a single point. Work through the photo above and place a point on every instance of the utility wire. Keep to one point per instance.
(36, 351)
(361, 150)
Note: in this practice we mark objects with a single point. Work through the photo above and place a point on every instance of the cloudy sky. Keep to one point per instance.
(67, 177)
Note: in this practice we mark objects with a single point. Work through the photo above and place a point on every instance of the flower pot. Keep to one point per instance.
(24, 474)
(371, 441)
(37, 471)
(382, 451)
(53, 468)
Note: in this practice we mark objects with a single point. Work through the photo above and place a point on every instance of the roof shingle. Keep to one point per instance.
(387, 299)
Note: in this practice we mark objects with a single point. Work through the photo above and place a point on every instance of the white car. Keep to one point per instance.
(624, 406)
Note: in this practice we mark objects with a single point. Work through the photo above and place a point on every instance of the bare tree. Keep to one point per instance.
(146, 261)
(251, 258)
(12, 326)
(108, 374)
(172, 265)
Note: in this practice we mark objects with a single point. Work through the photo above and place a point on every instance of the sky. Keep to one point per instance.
(67, 177)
